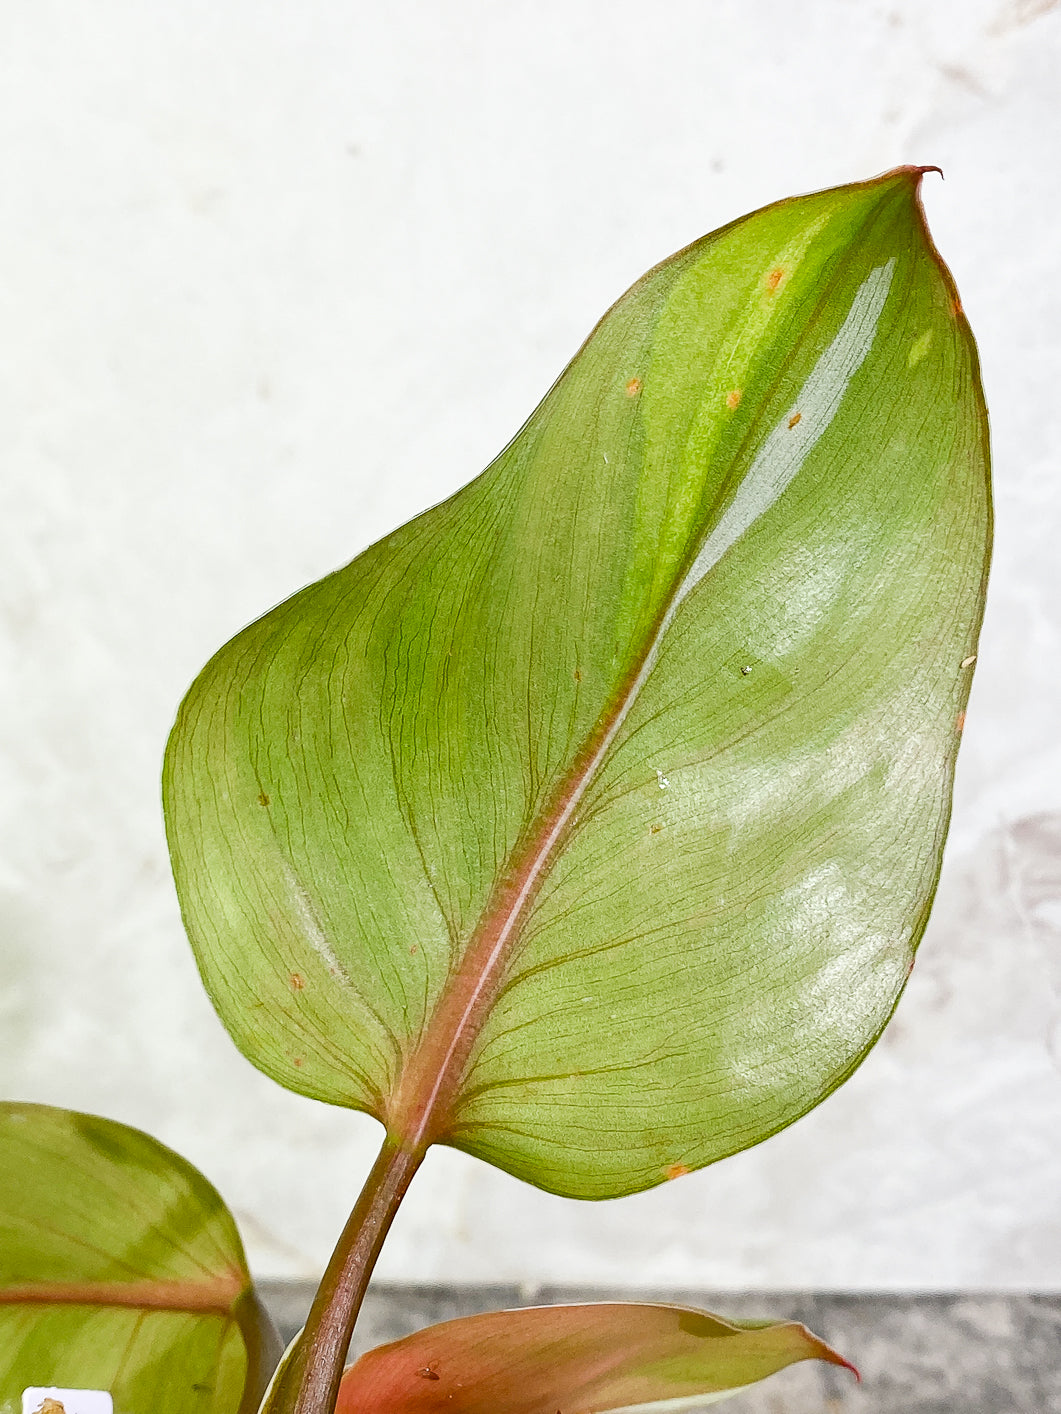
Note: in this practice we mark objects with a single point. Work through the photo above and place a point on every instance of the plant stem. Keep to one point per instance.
(316, 1367)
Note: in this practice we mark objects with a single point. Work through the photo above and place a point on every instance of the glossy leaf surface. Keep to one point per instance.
(121, 1270)
(574, 1358)
(589, 821)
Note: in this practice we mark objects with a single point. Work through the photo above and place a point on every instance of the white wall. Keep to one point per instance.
(274, 275)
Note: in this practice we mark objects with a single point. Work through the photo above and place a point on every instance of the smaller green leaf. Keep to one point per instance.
(614, 1356)
(121, 1270)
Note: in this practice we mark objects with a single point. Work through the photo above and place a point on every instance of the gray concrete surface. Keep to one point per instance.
(918, 1354)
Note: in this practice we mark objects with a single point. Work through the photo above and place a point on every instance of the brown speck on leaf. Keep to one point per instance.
(578, 674)
(957, 308)
(676, 1171)
(297, 981)
(428, 1374)
(656, 829)
(959, 725)
(774, 279)
(745, 670)
(733, 399)
(263, 799)
(633, 387)
(413, 950)
(796, 418)
(296, 1061)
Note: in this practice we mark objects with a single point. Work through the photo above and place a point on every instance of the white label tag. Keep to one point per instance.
(49, 1400)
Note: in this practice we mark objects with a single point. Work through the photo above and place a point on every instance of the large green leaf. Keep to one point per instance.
(589, 821)
(121, 1270)
(610, 1356)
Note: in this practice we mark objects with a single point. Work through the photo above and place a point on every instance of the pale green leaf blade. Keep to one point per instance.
(121, 1270)
(590, 821)
(591, 1358)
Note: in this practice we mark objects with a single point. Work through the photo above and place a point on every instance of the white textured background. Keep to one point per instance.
(276, 274)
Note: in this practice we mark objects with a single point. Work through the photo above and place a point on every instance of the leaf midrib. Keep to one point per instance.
(421, 1111)
(190, 1297)
(422, 1108)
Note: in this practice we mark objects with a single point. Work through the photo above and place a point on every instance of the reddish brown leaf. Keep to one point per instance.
(573, 1359)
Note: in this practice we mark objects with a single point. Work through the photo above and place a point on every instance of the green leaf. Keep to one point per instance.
(584, 1358)
(589, 822)
(121, 1270)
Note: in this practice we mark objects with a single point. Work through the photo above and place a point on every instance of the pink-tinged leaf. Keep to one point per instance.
(589, 822)
(574, 1360)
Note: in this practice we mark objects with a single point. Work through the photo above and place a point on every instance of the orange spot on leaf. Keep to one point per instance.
(633, 387)
(796, 417)
(733, 399)
(297, 981)
(959, 724)
(296, 1061)
(676, 1171)
(957, 308)
(774, 279)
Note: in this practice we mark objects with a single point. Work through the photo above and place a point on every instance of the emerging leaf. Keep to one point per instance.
(121, 1270)
(589, 822)
(581, 1359)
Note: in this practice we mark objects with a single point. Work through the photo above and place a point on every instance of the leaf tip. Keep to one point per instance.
(912, 172)
(831, 1356)
(914, 175)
